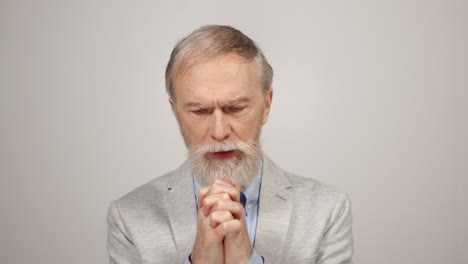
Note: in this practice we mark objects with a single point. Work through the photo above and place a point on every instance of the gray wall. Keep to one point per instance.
(370, 96)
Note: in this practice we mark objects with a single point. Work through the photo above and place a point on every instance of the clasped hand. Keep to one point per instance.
(222, 235)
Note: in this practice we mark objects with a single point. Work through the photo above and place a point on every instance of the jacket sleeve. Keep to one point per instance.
(337, 242)
(119, 244)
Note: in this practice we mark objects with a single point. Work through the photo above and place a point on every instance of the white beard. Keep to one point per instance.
(241, 168)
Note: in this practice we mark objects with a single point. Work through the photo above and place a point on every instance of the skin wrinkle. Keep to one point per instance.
(190, 63)
(213, 88)
(233, 103)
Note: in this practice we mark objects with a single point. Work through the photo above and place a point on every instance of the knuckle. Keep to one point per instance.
(214, 189)
(217, 182)
(227, 215)
(224, 225)
(208, 199)
(236, 225)
(239, 208)
(221, 204)
(213, 216)
(203, 190)
(220, 229)
(213, 221)
(226, 196)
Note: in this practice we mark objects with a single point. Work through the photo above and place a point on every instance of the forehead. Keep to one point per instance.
(223, 78)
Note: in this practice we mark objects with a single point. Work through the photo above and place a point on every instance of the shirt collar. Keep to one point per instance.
(251, 192)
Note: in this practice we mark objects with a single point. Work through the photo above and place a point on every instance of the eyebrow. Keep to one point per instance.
(194, 104)
(239, 101)
(235, 102)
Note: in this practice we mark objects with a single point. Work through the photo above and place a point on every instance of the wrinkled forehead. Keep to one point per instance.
(228, 73)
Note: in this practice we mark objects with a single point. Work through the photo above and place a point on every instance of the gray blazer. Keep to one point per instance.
(300, 220)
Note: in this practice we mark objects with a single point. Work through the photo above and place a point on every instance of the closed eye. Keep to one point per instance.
(235, 109)
(200, 111)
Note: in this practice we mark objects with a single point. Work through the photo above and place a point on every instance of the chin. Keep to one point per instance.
(236, 166)
(237, 161)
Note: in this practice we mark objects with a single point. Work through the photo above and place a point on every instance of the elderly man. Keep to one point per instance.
(228, 203)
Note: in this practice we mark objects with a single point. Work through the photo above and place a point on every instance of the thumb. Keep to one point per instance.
(226, 180)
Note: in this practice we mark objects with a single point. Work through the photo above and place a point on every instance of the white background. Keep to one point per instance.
(370, 97)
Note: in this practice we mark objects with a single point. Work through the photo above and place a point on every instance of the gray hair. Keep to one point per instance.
(209, 42)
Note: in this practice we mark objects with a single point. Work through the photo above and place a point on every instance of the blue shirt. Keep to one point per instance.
(252, 195)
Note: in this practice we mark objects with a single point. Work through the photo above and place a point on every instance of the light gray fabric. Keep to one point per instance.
(301, 220)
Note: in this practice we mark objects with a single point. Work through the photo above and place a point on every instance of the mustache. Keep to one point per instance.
(225, 146)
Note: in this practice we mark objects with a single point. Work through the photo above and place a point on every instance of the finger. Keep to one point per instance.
(238, 187)
(201, 195)
(219, 217)
(218, 187)
(221, 186)
(226, 180)
(211, 199)
(229, 226)
(236, 209)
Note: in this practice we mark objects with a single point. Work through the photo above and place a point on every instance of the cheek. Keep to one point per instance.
(247, 127)
(193, 128)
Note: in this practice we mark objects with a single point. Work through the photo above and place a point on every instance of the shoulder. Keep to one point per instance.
(314, 187)
(302, 185)
(309, 190)
(316, 195)
(150, 194)
(318, 202)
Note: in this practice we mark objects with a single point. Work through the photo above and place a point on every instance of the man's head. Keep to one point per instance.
(219, 84)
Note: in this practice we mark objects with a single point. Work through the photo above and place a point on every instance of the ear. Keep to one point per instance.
(268, 100)
(171, 101)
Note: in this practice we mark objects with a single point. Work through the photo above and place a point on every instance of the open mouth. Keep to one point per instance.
(222, 154)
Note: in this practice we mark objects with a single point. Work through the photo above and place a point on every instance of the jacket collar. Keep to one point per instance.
(274, 210)
(182, 209)
(274, 214)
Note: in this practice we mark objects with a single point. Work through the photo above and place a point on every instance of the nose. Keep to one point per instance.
(220, 129)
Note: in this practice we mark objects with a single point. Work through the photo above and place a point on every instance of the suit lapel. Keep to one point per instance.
(274, 212)
(181, 208)
(273, 218)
